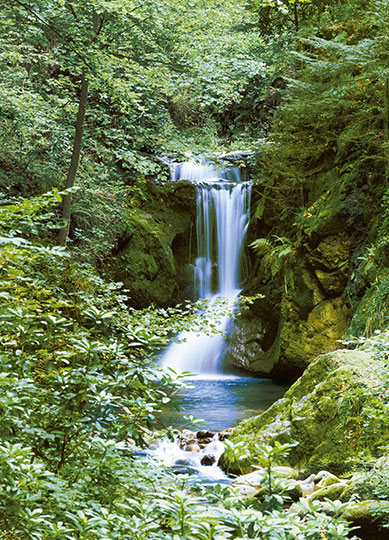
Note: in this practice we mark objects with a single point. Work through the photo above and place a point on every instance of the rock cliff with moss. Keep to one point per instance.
(153, 254)
(320, 224)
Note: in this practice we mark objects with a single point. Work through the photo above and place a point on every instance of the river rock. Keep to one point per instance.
(226, 434)
(186, 439)
(205, 435)
(208, 459)
(309, 414)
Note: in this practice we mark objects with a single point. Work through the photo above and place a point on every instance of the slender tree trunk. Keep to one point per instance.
(386, 128)
(66, 212)
(77, 142)
(296, 18)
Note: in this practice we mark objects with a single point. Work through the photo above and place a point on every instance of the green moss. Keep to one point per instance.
(372, 518)
(332, 492)
(332, 411)
(145, 262)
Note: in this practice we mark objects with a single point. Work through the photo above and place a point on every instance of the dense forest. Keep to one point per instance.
(97, 98)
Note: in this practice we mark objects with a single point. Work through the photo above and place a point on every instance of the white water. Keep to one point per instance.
(223, 205)
(169, 454)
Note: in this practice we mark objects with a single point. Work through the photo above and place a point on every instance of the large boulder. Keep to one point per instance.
(336, 412)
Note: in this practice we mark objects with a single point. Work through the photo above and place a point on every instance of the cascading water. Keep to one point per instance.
(223, 204)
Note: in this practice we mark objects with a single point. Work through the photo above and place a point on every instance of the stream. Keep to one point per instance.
(217, 394)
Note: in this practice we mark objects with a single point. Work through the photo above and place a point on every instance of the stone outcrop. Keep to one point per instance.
(335, 412)
(304, 312)
(152, 257)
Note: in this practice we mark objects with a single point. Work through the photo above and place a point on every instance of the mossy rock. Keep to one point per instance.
(145, 264)
(314, 413)
(332, 492)
(301, 340)
(369, 483)
(371, 518)
(332, 253)
(148, 261)
(310, 323)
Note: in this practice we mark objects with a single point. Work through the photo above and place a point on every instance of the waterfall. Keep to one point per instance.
(223, 204)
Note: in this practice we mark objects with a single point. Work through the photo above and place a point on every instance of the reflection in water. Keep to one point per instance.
(223, 402)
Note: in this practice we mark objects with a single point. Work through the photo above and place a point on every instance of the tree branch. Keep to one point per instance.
(62, 35)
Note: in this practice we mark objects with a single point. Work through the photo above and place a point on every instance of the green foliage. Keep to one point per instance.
(328, 122)
(78, 392)
(264, 516)
(274, 16)
(78, 385)
(278, 258)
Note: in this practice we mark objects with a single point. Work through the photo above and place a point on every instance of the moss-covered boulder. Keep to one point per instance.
(336, 412)
(150, 261)
(371, 518)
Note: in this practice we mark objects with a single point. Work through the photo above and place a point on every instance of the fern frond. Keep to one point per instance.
(261, 246)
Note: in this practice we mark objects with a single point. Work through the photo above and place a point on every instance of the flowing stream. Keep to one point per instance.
(217, 395)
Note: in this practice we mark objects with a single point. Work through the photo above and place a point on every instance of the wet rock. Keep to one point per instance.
(204, 443)
(245, 344)
(193, 448)
(186, 438)
(205, 435)
(208, 459)
(226, 434)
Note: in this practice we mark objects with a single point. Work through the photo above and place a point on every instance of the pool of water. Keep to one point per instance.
(222, 402)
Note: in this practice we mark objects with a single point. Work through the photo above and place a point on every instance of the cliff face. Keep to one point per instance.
(317, 277)
(153, 254)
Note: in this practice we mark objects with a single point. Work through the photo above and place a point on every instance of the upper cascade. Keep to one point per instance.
(205, 171)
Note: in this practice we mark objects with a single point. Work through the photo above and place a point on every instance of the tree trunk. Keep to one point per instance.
(77, 142)
(386, 128)
(296, 18)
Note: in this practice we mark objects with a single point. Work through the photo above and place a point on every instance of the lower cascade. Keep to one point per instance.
(192, 452)
(223, 205)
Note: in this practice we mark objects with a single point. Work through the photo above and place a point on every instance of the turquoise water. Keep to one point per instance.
(222, 402)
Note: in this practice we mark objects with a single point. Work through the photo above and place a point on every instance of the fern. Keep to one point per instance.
(261, 246)
(278, 257)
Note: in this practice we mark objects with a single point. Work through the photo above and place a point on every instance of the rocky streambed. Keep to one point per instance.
(193, 452)
(335, 420)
